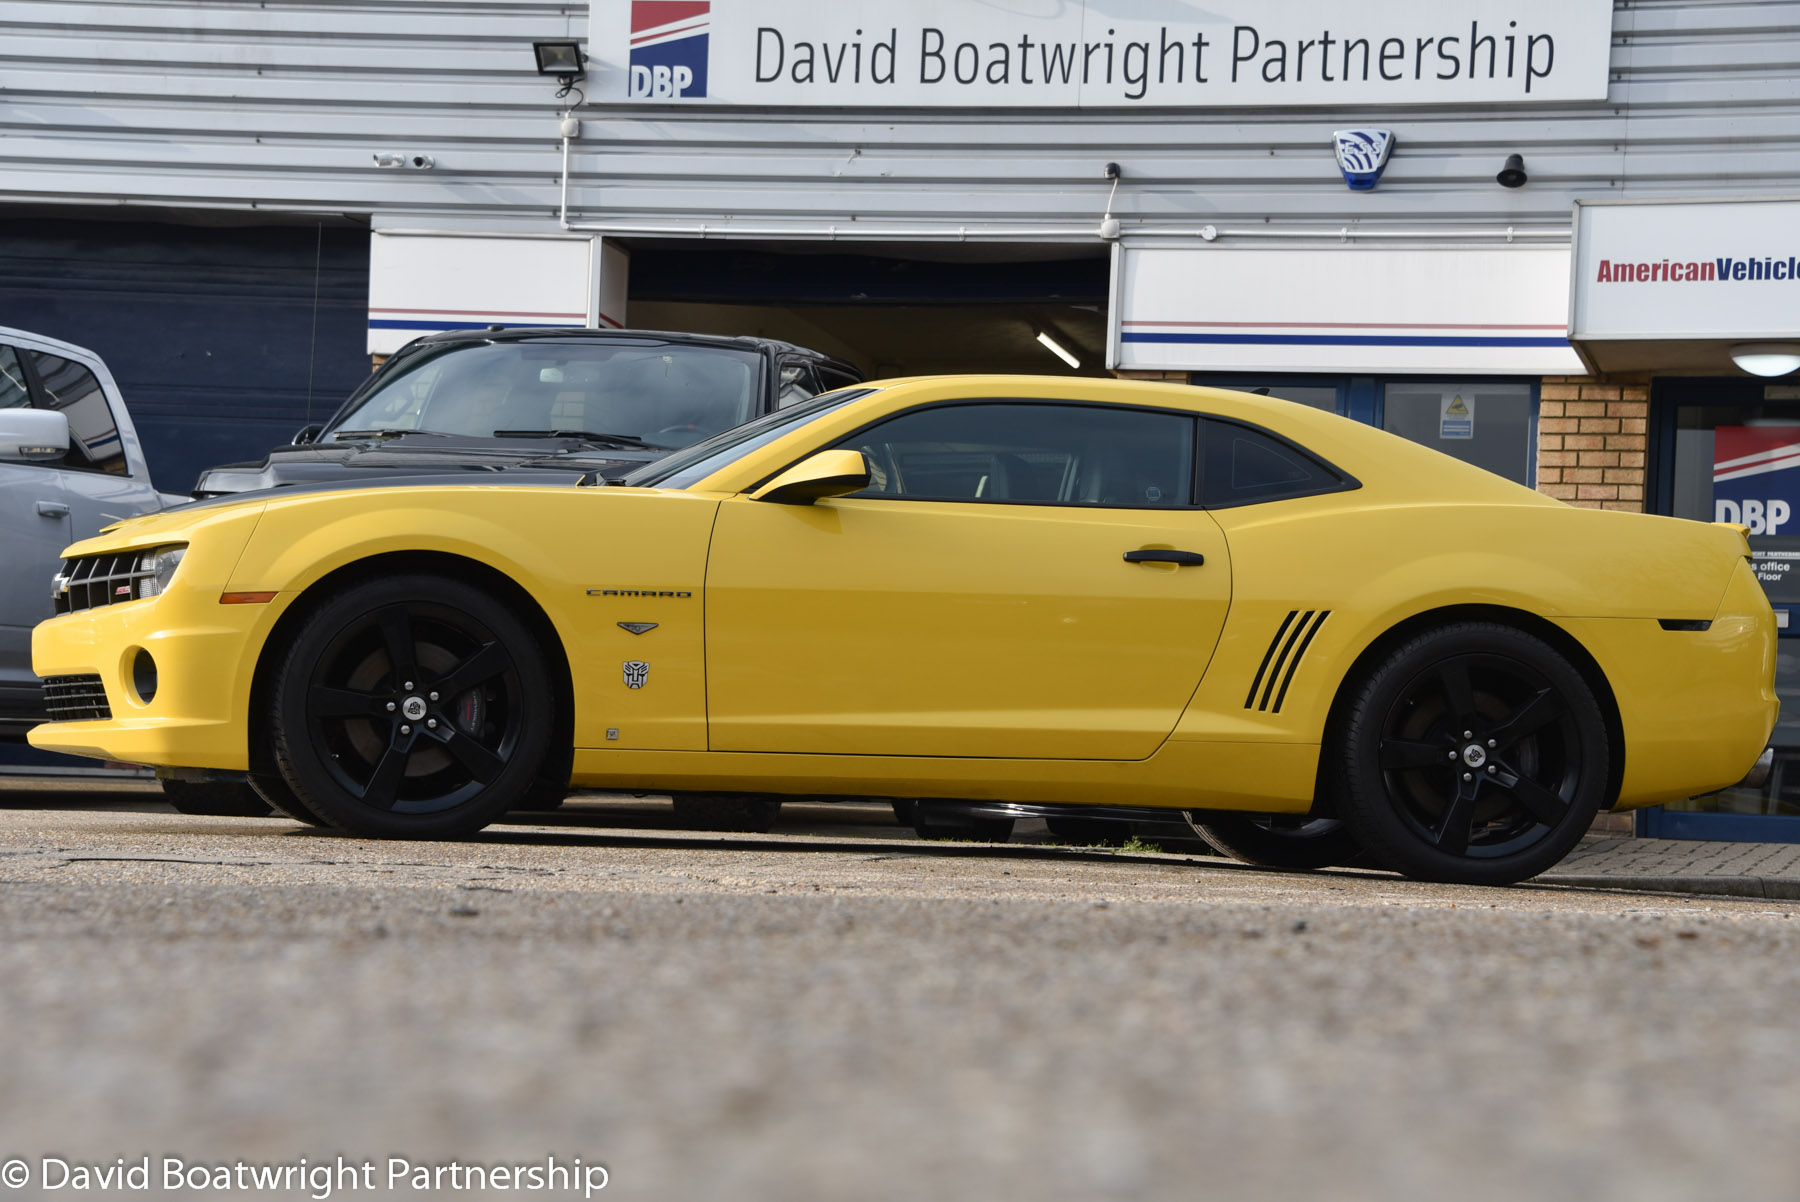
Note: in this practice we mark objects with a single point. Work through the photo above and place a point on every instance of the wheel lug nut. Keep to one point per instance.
(434, 698)
(1467, 734)
(1491, 743)
(432, 723)
(409, 686)
(391, 707)
(406, 730)
(1468, 776)
(1452, 755)
(1490, 770)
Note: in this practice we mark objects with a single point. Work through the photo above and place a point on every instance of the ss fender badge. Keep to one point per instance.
(638, 627)
(636, 673)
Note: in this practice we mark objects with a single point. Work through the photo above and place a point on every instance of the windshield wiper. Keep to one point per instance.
(617, 440)
(384, 432)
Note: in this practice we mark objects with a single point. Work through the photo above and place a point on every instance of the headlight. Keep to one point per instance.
(155, 568)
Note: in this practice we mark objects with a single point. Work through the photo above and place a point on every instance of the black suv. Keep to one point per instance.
(603, 401)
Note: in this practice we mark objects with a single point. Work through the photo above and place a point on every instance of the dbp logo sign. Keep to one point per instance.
(669, 47)
(1756, 476)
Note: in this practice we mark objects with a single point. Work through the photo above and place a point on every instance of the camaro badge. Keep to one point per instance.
(637, 627)
(636, 673)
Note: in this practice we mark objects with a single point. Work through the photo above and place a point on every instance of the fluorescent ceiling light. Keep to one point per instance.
(1767, 358)
(1056, 348)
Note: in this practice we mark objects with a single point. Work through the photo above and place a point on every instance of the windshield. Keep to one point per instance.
(703, 459)
(662, 395)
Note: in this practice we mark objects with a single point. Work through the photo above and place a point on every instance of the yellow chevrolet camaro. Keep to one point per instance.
(1081, 596)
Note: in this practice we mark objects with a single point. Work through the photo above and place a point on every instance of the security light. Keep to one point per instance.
(1767, 358)
(558, 58)
(1513, 174)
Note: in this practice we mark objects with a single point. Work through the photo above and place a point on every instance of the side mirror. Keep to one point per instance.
(33, 435)
(827, 474)
(307, 434)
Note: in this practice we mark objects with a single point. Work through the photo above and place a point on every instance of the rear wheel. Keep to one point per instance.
(725, 812)
(1276, 841)
(1475, 754)
(934, 820)
(220, 798)
(278, 793)
(411, 707)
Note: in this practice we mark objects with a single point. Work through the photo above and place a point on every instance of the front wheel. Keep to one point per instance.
(218, 798)
(412, 706)
(1475, 754)
(1277, 841)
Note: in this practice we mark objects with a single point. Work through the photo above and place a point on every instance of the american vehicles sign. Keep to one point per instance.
(1098, 53)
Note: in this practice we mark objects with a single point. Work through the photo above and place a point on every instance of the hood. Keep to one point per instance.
(416, 455)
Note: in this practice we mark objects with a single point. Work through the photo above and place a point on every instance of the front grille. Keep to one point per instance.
(76, 698)
(95, 580)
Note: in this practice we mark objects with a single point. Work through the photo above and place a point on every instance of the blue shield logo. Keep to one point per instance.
(1362, 155)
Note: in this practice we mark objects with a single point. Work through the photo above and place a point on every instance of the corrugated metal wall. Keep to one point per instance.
(247, 103)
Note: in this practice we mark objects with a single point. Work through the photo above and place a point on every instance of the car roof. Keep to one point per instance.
(577, 334)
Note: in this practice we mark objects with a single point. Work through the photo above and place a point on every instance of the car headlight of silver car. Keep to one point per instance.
(155, 569)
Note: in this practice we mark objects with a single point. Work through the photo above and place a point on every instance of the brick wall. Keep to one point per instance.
(1591, 433)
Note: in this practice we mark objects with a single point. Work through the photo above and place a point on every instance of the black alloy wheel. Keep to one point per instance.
(1278, 840)
(218, 798)
(412, 707)
(1475, 754)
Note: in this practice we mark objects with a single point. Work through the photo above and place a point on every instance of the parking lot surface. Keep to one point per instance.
(838, 1010)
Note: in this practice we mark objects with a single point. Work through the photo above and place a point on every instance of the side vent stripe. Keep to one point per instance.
(1286, 650)
(1293, 636)
(1295, 662)
(1267, 656)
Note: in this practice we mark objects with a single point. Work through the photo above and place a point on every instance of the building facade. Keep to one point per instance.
(238, 202)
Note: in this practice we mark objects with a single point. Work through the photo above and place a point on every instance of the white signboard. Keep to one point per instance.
(1713, 269)
(1496, 310)
(423, 283)
(1098, 53)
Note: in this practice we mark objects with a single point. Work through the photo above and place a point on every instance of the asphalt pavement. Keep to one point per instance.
(839, 1011)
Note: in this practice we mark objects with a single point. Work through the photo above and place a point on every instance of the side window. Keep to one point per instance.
(93, 435)
(832, 377)
(14, 392)
(1244, 466)
(1032, 454)
(797, 384)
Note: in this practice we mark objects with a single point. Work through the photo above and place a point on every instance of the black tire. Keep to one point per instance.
(1278, 842)
(411, 707)
(725, 812)
(1475, 754)
(903, 810)
(278, 794)
(217, 798)
(1090, 832)
(935, 821)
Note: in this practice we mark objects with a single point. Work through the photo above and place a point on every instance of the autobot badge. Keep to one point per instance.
(636, 673)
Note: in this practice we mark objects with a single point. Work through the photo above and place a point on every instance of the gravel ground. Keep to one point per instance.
(838, 1011)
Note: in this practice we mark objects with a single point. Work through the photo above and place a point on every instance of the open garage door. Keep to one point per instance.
(921, 309)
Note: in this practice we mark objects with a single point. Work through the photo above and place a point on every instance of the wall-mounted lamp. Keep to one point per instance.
(563, 60)
(1056, 348)
(1767, 358)
(1513, 174)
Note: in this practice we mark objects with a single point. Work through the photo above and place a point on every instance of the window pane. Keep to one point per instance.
(14, 394)
(1244, 466)
(93, 435)
(1035, 454)
(1488, 425)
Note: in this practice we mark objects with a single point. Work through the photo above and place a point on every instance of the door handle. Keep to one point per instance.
(52, 509)
(1189, 558)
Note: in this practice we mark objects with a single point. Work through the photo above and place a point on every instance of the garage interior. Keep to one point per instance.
(892, 310)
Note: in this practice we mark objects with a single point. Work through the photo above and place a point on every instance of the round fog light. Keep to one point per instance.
(143, 676)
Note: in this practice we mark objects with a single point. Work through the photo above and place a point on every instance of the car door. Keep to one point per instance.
(95, 479)
(35, 516)
(977, 599)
